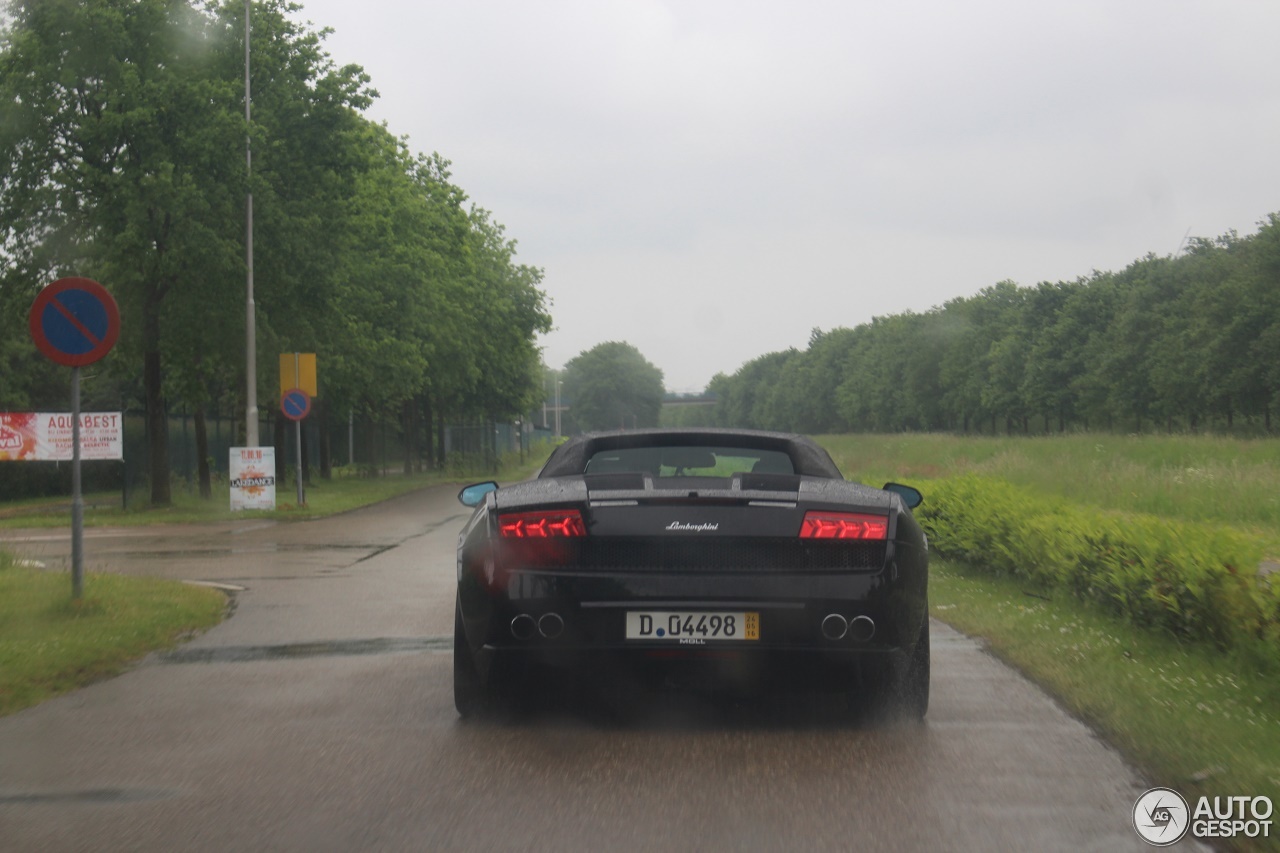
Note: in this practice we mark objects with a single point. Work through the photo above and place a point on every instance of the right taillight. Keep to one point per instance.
(844, 525)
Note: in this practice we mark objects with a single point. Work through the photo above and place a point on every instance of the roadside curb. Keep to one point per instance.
(225, 587)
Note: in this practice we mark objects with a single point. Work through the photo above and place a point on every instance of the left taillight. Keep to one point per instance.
(544, 524)
(844, 525)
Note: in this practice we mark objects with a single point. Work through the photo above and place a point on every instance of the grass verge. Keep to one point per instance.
(1194, 719)
(50, 644)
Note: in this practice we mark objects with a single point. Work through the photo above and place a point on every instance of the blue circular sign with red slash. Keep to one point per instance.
(74, 321)
(295, 404)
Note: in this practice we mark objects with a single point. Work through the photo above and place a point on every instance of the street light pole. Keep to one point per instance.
(558, 384)
(250, 319)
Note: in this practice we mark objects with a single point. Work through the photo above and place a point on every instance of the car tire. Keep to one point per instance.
(470, 696)
(913, 694)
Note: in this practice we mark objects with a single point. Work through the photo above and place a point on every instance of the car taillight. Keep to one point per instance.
(545, 524)
(844, 525)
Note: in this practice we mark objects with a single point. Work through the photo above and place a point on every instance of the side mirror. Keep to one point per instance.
(473, 495)
(910, 496)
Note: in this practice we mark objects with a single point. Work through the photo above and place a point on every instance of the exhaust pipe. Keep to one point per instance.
(550, 625)
(523, 627)
(834, 626)
(862, 628)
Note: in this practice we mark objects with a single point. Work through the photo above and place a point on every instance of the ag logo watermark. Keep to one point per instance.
(1162, 817)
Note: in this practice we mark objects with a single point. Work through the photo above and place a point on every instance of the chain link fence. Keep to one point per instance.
(355, 447)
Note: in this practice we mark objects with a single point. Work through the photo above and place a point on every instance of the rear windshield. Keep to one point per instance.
(690, 461)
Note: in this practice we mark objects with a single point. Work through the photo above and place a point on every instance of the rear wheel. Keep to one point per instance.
(913, 695)
(470, 696)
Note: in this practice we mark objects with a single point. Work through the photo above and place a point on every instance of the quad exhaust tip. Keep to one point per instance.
(834, 626)
(523, 627)
(862, 628)
(551, 625)
(859, 628)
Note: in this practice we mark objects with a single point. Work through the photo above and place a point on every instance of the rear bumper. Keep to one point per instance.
(792, 606)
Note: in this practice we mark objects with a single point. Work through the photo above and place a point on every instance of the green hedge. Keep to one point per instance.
(1194, 580)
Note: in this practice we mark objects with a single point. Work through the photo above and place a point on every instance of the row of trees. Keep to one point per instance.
(122, 158)
(1184, 342)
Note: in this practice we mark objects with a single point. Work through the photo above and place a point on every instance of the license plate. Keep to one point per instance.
(673, 626)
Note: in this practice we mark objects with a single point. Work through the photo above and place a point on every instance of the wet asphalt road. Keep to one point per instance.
(320, 717)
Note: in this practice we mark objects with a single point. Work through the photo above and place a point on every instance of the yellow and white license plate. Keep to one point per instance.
(672, 626)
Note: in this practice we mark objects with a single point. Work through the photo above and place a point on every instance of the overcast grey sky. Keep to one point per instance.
(708, 180)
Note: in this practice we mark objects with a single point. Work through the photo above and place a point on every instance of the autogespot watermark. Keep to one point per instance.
(1162, 817)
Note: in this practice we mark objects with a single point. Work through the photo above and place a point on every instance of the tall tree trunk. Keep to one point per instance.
(306, 453)
(157, 417)
(280, 441)
(406, 426)
(440, 456)
(326, 441)
(202, 454)
(186, 448)
(371, 442)
(426, 428)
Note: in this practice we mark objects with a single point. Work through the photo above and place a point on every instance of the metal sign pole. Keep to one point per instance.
(297, 435)
(298, 441)
(77, 499)
(250, 308)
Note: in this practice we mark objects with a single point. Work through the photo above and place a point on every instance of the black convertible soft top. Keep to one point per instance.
(807, 456)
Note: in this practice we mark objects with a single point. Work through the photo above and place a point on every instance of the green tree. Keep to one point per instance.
(613, 386)
(121, 124)
(110, 124)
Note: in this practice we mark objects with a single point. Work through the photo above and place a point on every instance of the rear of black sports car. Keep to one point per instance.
(730, 561)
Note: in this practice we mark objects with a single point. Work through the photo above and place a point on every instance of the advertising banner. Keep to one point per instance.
(253, 478)
(46, 436)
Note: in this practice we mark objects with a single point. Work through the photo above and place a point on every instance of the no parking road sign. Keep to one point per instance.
(295, 404)
(74, 321)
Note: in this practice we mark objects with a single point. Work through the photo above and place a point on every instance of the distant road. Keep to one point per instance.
(320, 717)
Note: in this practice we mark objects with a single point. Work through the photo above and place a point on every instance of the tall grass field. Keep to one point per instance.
(1234, 482)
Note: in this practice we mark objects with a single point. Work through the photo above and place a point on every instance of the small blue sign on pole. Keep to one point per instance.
(295, 404)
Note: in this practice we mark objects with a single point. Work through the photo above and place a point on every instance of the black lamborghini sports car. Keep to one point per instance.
(730, 560)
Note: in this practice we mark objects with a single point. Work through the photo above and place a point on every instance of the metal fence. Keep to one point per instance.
(357, 446)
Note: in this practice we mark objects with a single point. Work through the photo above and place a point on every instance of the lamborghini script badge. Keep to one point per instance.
(696, 528)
